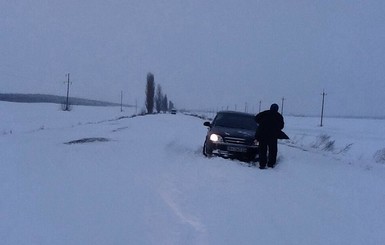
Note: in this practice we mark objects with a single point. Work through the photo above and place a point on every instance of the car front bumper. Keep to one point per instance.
(229, 150)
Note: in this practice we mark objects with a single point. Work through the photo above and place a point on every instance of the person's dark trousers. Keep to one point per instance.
(262, 153)
(264, 146)
(273, 149)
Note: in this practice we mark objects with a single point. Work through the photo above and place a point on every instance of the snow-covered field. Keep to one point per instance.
(98, 176)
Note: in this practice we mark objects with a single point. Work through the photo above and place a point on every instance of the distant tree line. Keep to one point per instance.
(155, 97)
(46, 98)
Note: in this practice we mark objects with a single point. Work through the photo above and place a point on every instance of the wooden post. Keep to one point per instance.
(283, 99)
(121, 101)
(322, 108)
(68, 91)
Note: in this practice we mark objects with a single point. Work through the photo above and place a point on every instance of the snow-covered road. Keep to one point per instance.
(148, 183)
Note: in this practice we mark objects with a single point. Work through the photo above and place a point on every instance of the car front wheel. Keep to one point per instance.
(207, 151)
(251, 157)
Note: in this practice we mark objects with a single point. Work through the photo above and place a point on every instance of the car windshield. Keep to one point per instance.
(241, 121)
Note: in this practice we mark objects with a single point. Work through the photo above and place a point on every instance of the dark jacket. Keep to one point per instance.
(270, 125)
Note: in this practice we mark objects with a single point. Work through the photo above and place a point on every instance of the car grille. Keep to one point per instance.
(234, 140)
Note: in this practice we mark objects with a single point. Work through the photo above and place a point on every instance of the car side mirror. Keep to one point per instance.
(207, 124)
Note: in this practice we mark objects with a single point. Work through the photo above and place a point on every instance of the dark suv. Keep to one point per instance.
(232, 135)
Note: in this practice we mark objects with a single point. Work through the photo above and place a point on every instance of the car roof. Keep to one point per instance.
(235, 113)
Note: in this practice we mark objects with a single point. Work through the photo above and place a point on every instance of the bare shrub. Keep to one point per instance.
(346, 148)
(379, 156)
(329, 145)
(324, 142)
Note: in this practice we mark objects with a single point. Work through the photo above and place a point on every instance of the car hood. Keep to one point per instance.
(233, 132)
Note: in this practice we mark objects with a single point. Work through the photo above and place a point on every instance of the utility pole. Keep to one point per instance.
(121, 101)
(136, 107)
(323, 103)
(260, 104)
(283, 99)
(68, 91)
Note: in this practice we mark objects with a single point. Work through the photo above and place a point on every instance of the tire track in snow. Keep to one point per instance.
(170, 195)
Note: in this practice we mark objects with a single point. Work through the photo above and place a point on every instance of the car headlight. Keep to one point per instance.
(216, 138)
(256, 143)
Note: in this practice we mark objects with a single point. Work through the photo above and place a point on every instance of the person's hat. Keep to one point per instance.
(274, 107)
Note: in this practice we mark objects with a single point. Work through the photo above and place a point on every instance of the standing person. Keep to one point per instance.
(270, 125)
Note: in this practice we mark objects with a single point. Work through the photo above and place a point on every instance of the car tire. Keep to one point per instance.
(251, 157)
(206, 151)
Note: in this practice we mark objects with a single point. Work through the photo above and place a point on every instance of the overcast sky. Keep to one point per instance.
(205, 54)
